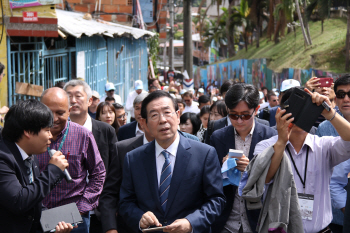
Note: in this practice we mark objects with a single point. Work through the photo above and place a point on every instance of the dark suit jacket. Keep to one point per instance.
(223, 140)
(108, 204)
(106, 140)
(221, 123)
(110, 195)
(127, 131)
(195, 189)
(20, 203)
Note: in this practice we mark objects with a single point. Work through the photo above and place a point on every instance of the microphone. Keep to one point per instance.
(67, 175)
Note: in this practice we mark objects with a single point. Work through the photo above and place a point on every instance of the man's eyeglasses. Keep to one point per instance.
(243, 117)
(125, 115)
(342, 94)
(156, 116)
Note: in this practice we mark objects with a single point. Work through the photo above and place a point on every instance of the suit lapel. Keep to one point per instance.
(17, 155)
(181, 162)
(256, 138)
(230, 142)
(149, 161)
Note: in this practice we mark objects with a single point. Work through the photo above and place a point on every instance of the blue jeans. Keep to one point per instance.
(84, 226)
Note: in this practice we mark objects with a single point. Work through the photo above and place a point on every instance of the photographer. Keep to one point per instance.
(310, 159)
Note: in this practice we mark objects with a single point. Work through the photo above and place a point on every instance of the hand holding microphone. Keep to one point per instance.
(58, 159)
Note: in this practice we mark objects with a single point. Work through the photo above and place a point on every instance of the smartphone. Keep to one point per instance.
(325, 81)
(235, 153)
(153, 229)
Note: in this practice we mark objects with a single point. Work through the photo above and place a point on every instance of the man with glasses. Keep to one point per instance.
(191, 106)
(242, 101)
(339, 178)
(172, 181)
(120, 114)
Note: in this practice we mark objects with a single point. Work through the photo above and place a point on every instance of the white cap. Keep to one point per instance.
(261, 95)
(201, 90)
(95, 94)
(288, 84)
(109, 86)
(138, 85)
(183, 91)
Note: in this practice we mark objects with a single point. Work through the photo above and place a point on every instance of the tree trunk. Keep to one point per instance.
(230, 33)
(307, 24)
(322, 25)
(188, 47)
(347, 43)
(301, 23)
(277, 30)
(270, 26)
(257, 26)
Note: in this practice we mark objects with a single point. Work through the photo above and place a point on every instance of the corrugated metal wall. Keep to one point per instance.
(131, 65)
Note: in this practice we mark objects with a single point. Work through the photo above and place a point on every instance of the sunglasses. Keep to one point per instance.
(341, 94)
(243, 117)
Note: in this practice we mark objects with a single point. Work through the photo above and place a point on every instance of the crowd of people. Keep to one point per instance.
(158, 161)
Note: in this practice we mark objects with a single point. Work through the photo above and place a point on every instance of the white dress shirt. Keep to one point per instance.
(23, 153)
(88, 123)
(145, 141)
(172, 150)
(138, 131)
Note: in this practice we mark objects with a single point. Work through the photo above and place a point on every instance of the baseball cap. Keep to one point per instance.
(201, 90)
(289, 83)
(109, 86)
(183, 91)
(138, 85)
(95, 94)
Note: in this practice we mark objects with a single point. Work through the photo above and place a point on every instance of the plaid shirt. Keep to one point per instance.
(84, 159)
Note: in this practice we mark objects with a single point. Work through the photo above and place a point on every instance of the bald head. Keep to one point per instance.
(58, 102)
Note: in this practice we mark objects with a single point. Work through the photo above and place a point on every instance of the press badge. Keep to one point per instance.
(306, 203)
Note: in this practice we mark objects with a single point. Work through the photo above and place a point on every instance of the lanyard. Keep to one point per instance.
(307, 157)
(63, 139)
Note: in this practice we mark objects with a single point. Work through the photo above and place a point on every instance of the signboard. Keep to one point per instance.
(29, 89)
(30, 3)
(30, 16)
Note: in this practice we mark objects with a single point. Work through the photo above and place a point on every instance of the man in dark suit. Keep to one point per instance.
(243, 134)
(172, 181)
(23, 187)
(134, 128)
(109, 199)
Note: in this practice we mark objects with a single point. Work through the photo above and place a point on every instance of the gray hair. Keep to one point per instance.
(77, 82)
(139, 98)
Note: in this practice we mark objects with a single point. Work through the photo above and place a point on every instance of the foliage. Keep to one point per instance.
(178, 35)
(153, 50)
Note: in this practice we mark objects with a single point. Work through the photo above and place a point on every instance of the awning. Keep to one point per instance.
(73, 24)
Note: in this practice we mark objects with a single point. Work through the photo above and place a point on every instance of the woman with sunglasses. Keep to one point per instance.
(106, 113)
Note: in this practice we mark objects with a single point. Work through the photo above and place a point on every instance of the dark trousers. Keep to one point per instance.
(95, 224)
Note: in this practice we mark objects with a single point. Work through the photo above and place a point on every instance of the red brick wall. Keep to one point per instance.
(118, 6)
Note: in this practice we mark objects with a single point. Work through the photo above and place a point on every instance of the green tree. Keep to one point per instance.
(153, 48)
(323, 10)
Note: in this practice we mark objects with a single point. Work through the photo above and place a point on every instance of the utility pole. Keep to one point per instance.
(171, 42)
(188, 47)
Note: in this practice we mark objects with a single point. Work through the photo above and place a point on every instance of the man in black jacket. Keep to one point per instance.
(23, 187)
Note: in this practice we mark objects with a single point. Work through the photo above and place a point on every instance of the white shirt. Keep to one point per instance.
(117, 99)
(129, 105)
(88, 123)
(145, 141)
(138, 131)
(325, 153)
(23, 153)
(228, 121)
(193, 108)
(172, 150)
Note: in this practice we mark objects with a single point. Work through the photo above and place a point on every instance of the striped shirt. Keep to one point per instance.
(84, 160)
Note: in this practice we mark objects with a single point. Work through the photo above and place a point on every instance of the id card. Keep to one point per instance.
(306, 203)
